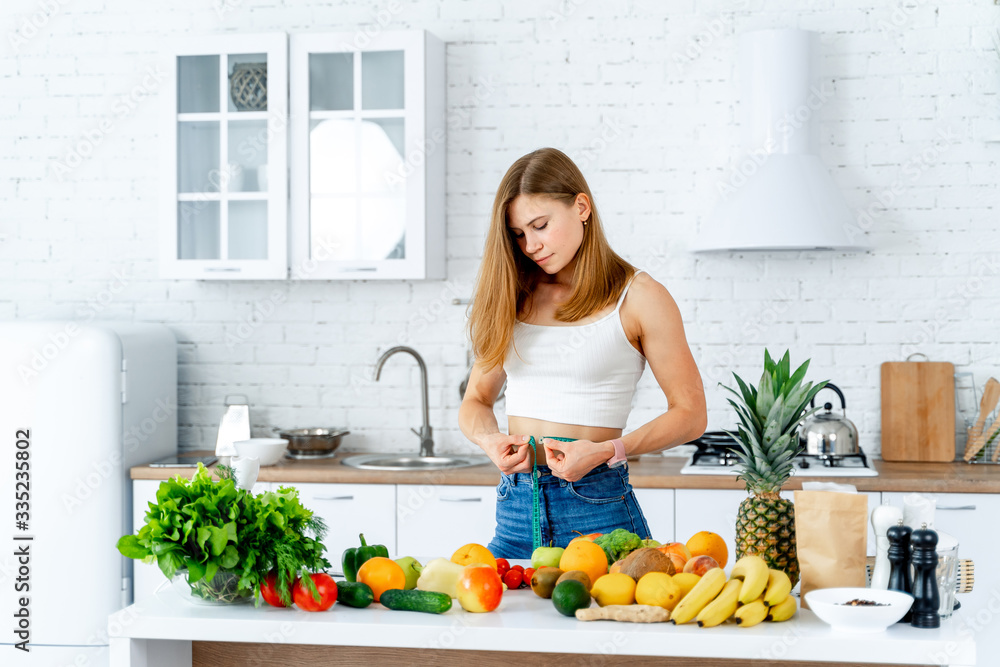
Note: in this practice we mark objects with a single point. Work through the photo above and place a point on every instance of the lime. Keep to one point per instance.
(570, 595)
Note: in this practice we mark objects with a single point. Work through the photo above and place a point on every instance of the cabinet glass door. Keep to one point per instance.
(356, 146)
(229, 115)
(368, 156)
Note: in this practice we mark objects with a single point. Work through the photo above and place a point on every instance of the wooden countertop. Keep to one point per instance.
(649, 472)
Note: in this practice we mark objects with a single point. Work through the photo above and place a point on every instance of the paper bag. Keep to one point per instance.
(831, 533)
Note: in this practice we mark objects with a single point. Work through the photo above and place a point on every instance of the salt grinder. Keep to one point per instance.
(884, 517)
(926, 600)
(899, 560)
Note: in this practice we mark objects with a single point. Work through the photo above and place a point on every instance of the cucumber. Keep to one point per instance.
(354, 594)
(414, 600)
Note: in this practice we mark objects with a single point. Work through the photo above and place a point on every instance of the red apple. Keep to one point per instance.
(479, 588)
(590, 538)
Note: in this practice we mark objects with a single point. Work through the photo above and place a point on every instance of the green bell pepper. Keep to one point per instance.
(355, 557)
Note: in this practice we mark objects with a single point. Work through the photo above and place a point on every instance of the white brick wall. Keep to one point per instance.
(640, 92)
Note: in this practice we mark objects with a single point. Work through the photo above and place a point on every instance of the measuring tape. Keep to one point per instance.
(536, 507)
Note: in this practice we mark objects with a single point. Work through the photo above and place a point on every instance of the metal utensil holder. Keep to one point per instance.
(965, 419)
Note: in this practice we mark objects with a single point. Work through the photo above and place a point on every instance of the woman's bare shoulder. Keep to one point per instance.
(648, 302)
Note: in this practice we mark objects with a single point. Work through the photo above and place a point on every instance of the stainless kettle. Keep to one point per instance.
(827, 435)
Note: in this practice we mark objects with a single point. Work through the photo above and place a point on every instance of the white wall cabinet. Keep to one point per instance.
(364, 127)
(224, 190)
(434, 521)
(367, 155)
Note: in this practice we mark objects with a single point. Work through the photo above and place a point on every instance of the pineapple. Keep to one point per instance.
(769, 416)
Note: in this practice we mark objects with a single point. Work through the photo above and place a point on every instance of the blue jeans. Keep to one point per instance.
(599, 503)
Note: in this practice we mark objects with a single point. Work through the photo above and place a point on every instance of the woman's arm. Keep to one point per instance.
(479, 424)
(654, 312)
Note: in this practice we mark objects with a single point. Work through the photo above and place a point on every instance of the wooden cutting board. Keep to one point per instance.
(918, 411)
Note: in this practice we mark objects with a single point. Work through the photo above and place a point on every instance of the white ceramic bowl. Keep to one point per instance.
(827, 604)
(268, 450)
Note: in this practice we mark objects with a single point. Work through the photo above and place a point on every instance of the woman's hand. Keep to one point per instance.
(510, 453)
(572, 460)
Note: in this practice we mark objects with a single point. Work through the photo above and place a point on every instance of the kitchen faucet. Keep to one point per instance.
(425, 433)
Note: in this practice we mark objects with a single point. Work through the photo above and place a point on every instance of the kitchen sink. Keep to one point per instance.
(412, 462)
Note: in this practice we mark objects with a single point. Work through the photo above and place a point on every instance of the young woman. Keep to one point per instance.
(569, 326)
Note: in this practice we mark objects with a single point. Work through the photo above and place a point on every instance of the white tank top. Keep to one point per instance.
(582, 374)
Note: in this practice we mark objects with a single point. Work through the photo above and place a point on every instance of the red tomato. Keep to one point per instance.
(519, 568)
(528, 572)
(325, 586)
(503, 566)
(513, 579)
(269, 590)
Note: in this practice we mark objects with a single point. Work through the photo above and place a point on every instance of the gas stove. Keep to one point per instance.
(716, 455)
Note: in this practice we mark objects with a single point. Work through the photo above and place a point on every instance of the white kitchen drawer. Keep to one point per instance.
(434, 521)
(716, 510)
(658, 508)
(351, 509)
(146, 578)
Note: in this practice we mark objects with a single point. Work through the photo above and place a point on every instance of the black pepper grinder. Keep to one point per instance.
(899, 561)
(926, 600)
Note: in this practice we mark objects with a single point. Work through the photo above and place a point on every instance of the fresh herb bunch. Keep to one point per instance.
(203, 525)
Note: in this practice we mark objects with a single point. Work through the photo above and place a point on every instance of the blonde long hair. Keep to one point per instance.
(507, 278)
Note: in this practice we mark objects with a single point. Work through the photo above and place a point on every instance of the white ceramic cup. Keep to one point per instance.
(246, 469)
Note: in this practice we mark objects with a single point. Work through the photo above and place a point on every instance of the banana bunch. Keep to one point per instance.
(752, 595)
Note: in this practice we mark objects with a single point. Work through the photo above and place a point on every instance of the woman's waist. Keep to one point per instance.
(539, 428)
(546, 476)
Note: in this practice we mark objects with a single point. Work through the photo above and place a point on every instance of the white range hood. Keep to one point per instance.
(780, 196)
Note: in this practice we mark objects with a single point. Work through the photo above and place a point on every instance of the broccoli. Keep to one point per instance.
(618, 543)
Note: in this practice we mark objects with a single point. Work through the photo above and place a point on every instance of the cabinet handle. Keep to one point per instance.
(461, 500)
(333, 497)
(958, 507)
(360, 268)
(222, 269)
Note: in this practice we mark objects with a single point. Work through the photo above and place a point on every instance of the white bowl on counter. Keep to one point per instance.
(268, 450)
(828, 605)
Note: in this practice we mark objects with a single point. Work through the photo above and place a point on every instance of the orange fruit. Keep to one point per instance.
(707, 543)
(473, 553)
(381, 574)
(586, 556)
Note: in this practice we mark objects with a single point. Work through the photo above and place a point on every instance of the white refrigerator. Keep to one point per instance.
(80, 403)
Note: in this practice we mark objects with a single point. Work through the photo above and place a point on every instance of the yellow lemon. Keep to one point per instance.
(685, 581)
(658, 589)
(615, 588)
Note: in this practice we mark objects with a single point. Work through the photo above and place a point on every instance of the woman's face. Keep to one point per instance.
(547, 231)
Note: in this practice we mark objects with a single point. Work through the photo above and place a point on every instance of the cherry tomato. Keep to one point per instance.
(503, 566)
(528, 573)
(325, 586)
(269, 590)
(513, 579)
(519, 568)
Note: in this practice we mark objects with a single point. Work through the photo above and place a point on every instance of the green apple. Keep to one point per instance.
(412, 569)
(651, 543)
(546, 557)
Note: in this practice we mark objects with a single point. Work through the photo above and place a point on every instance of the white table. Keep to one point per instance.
(160, 634)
